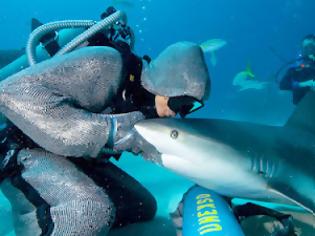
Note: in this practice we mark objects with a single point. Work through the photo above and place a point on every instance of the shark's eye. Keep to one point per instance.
(174, 134)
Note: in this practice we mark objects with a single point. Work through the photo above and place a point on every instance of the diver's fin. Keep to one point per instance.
(213, 58)
(304, 115)
(35, 24)
(293, 196)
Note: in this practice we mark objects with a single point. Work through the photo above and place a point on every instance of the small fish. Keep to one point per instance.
(246, 80)
(211, 46)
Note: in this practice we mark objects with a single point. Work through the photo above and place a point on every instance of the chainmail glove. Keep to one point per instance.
(126, 138)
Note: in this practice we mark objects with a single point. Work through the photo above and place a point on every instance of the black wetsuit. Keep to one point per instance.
(131, 96)
(303, 72)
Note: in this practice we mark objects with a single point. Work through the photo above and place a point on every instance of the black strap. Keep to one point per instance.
(52, 47)
(50, 43)
(131, 95)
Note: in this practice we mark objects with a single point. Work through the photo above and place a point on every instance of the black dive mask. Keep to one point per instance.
(184, 105)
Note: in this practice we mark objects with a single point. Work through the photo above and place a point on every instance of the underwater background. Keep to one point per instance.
(261, 34)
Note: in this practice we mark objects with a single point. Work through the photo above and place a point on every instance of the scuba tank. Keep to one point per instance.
(58, 38)
(69, 35)
(61, 37)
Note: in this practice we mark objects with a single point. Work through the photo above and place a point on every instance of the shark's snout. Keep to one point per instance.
(148, 130)
(157, 132)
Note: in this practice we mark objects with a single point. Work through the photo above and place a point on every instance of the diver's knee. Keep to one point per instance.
(149, 206)
(83, 217)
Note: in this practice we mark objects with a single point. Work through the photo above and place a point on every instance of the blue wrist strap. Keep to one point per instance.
(112, 132)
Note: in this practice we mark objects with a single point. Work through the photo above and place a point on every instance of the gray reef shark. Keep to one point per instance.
(274, 164)
(7, 56)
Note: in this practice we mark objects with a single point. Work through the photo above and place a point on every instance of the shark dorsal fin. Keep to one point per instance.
(35, 24)
(304, 115)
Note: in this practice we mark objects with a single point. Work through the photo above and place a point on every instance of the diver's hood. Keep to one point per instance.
(179, 70)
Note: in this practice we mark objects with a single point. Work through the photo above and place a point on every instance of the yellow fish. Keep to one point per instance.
(246, 80)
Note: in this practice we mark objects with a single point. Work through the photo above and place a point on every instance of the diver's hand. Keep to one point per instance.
(121, 132)
(147, 150)
(126, 138)
(308, 83)
(135, 143)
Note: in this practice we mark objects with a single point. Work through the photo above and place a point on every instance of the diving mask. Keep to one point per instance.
(308, 49)
(184, 105)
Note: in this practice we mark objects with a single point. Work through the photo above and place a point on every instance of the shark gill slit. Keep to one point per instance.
(263, 166)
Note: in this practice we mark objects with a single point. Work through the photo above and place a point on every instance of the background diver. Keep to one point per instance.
(62, 113)
(300, 78)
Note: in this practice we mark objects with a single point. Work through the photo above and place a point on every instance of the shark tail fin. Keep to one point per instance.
(304, 115)
(35, 23)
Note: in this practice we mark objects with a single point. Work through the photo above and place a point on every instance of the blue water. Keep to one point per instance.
(252, 29)
(262, 33)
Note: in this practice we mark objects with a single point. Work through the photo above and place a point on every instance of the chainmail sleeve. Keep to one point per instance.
(57, 103)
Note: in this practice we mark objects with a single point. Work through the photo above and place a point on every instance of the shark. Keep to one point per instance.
(273, 164)
(9, 55)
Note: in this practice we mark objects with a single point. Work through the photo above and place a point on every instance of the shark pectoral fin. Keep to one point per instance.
(304, 115)
(213, 58)
(293, 196)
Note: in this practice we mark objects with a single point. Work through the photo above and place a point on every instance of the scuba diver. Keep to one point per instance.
(300, 78)
(69, 114)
